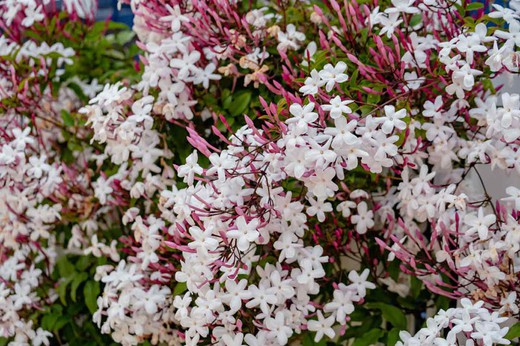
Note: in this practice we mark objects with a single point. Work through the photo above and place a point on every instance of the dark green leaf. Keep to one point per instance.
(91, 292)
(62, 289)
(226, 103)
(48, 321)
(65, 268)
(308, 340)
(442, 303)
(78, 279)
(393, 337)
(390, 313)
(407, 302)
(61, 322)
(368, 323)
(240, 103)
(83, 263)
(394, 270)
(416, 286)
(369, 338)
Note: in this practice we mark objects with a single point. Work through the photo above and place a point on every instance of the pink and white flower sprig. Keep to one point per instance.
(19, 15)
(470, 321)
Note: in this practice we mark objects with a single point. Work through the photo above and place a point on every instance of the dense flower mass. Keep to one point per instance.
(259, 173)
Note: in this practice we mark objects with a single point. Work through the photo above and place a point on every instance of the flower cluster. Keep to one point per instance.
(29, 180)
(45, 185)
(26, 179)
(19, 14)
(270, 172)
(470, 320)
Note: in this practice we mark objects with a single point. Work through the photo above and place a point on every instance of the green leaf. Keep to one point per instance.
(226, 103)
(308, 340)
(61, 322)
(117, 26)
(74, 145)
(240, 103)
(459, 8)
(474, 6)
(281, 105)
(62, 289)
(394, 270)
(225, 93)
(112, 53)
(391, 313)
(393, 337)
(320, 59)
(48, 321)
(416, 19)
(416, 286)
(365, 109)
(354, 77)
(408, 302)
(83, 263)
(68, 120)
(78, 279)
(35, 36)
(65, 268)
(369, 338)
(180, 288)
(91, 292)
(488, 85)
(367, 323)
(442, 303)
(124, 37)
(514, 331)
